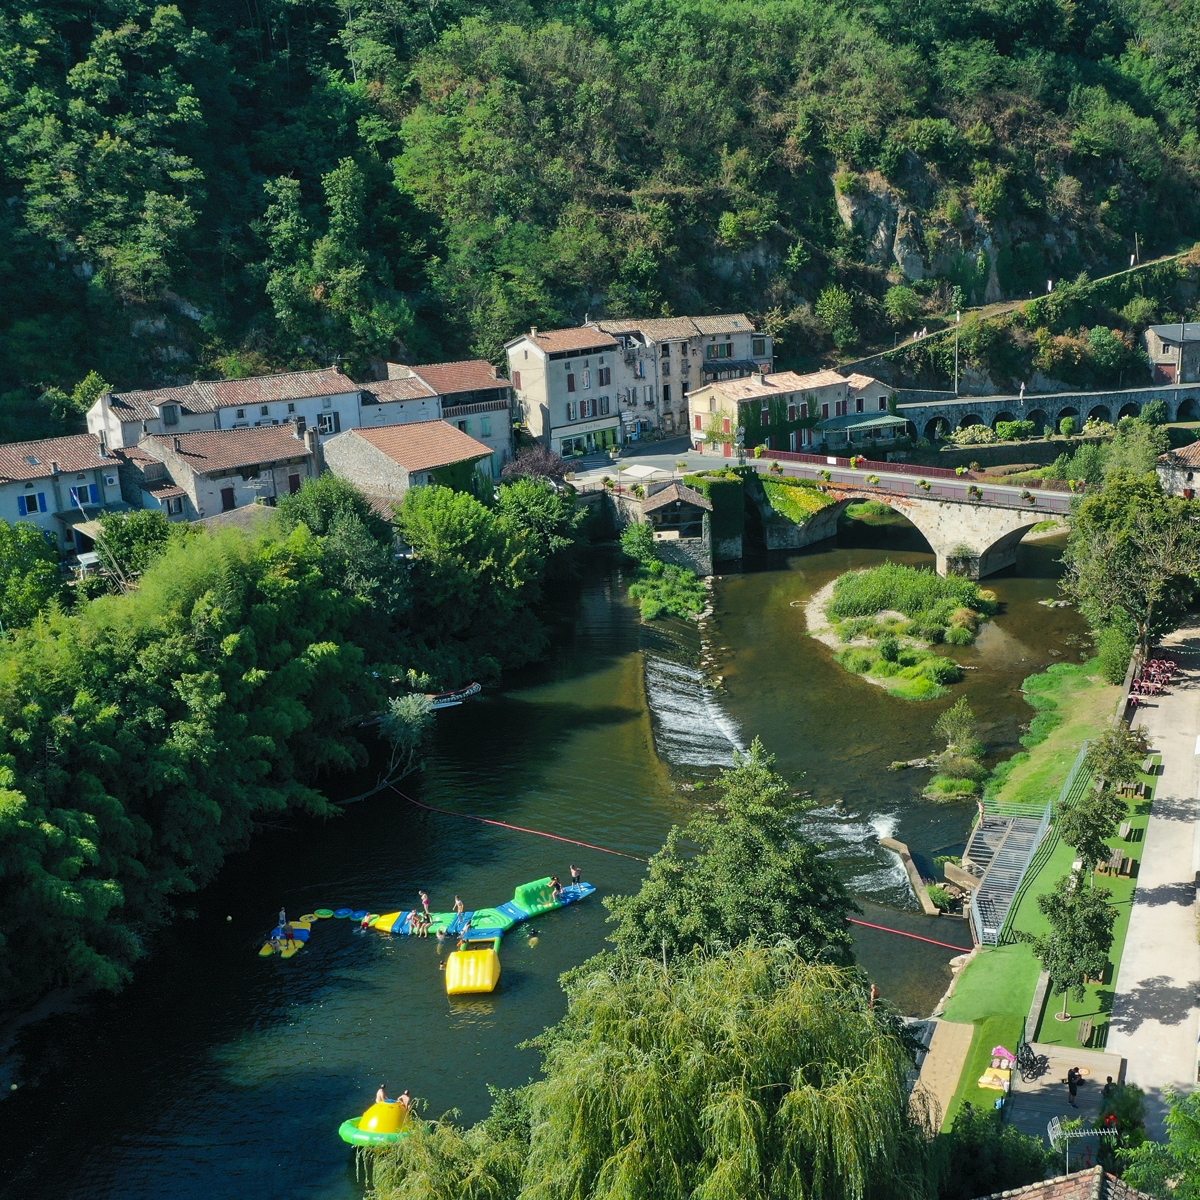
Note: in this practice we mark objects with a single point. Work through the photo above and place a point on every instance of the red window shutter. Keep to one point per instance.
(791, 412)
(803, 411)
(697, 420)
(725, 425)
(825, 412)
(516, 379)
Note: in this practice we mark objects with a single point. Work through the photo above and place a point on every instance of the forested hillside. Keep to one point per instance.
(229, 188)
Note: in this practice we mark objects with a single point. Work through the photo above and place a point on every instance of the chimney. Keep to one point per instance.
(312, 443)
(53, 467)
(100, 437)
(495, 372)
(533, 331)
(178, 445)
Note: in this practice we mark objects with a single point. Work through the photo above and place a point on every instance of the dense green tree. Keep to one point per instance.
(1089, 823)
(29, 576)
(1135, 447)
(983, 1155)
(130, 541)
(323, 501)
(738, 868)
(740, 1076)
(549, 518)
(1169, 1170)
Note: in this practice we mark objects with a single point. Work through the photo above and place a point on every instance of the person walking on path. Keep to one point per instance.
(1073, 1078)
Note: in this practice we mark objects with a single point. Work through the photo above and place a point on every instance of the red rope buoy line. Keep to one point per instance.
(919, 938)
(519, 828)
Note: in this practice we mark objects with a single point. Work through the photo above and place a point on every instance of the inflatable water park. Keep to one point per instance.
(383, 1124)
(474, 966)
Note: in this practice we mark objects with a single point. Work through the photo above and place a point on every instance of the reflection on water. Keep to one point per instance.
(221, 1074)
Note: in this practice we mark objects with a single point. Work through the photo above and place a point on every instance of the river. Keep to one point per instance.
(220, 1074)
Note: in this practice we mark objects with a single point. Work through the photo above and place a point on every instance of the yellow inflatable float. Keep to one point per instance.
(473, 968)
(381, 1125)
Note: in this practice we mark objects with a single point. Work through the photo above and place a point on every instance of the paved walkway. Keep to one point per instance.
(944, 1062)
(1156, 1009)
(1034, 1104)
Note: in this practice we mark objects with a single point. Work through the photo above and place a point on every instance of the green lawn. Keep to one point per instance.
(996, 991)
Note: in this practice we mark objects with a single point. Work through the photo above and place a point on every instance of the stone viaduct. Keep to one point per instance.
(1049, 408)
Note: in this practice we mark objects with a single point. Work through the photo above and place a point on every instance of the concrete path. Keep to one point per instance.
(1156, 1010)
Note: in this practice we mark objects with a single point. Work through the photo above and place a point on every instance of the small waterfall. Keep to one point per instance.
(852, 842)
(691, 729)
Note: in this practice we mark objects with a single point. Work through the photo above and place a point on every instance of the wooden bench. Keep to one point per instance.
(1124, 831)
(1113, 865)
(1128, 867)
(1085, 1031)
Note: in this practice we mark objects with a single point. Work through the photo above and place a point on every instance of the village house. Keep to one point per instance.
(474, 397)
(1177, 470)
(778, 411)
(62, 486)
(563, 382)
(1174, 352)
(210, 471)
(613, 381)
(385, 462)
(327, 400)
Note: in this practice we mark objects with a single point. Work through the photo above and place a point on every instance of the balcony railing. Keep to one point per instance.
(466, 410)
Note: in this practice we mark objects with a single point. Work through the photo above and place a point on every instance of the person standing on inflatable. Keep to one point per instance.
(283, 916)
(576, 875)
(381, 1096)
(425, 902)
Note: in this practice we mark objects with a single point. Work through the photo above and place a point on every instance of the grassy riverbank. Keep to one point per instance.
(996, 990)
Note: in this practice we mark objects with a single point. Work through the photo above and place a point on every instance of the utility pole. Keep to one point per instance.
(1137, 252)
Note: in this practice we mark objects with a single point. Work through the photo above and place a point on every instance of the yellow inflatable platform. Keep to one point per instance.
(381, 1125)
(474, 968)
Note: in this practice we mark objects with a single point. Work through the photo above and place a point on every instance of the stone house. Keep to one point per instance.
(474, 397)
(1177, 470)
(62, 486)
(327, 400)
(218, 470)
(681, 519)
(385, 462)
(778, 411)
(608, 382)
(1174, 352)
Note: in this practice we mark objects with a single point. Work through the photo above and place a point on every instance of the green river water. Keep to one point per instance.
(221, 1074)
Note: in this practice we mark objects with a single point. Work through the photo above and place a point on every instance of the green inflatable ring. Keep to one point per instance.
(349, 1131)
(324, 912)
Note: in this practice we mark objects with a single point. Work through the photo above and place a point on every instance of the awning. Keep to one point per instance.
(862, 421)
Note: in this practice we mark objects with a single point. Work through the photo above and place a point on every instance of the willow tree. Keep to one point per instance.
(753, 1074)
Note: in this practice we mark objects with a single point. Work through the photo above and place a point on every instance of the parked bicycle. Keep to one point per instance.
(1032, 1066)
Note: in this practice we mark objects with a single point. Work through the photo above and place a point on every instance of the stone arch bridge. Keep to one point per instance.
(972, 527)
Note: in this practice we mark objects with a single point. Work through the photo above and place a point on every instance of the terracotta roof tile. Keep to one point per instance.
(164, 489)
(1188, 455)
(656, 329)
(1093, 1184)
(673, 492)
(209, 450)
(858, 382)
(472, 375)
(389, 391)
(424, 445)
(207, 395)
(752, 386)
(724, 323)
(582, 337)
(80, 452)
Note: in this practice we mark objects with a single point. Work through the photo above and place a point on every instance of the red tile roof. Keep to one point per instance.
(858, 382)
(583, 337)
(471, 375)
(207, 395)
(751, 386)
(1188, 455)
(673, 492)
(724, 323)
(1093, 1184)
(423, 445)
(210, 450)
(80, 452)
(165, 489)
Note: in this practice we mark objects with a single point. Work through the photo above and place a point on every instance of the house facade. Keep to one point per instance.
(1174, 352)
(1179, 471)
(608, 382)
(385, 462)
(61, 486)
(218, 470)
(779, 411)
(327, 400)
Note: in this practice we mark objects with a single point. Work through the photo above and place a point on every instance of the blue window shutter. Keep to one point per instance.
(41, 501)
(95, 493)
(21, 507)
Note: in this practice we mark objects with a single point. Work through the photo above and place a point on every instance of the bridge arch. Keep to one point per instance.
(969, 420)
(1188, 410)
(1067, 412)
(1100, 412)
(1002, 416)
(966, 538)
(936, 428)
(1040, 417)
(1129, 410)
